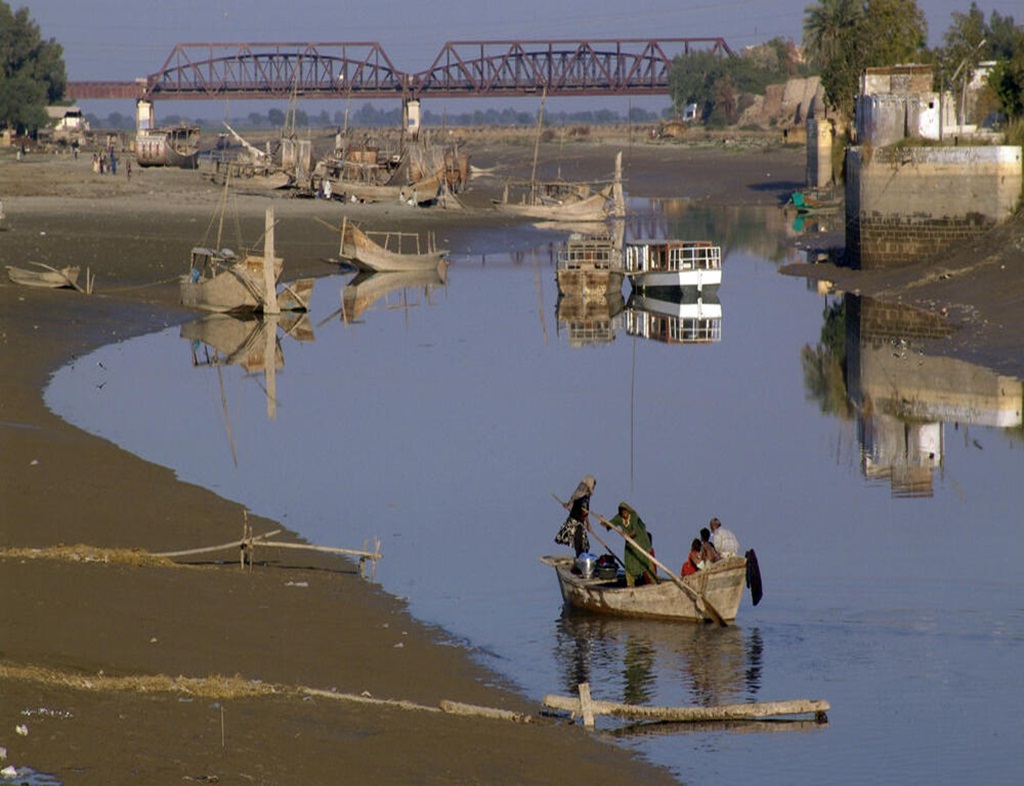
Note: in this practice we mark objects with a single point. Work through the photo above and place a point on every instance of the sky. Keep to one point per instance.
(122, 40)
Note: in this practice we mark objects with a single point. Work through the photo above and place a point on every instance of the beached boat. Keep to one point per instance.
(690, 317)
(45, 277)
(672, 264)
(220, 280)
(815, 200)
(720, 585)
(564, 201)
(382, 252)
(589, 266)
(177, 146)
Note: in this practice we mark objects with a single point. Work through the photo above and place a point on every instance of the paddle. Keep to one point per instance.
(704, 606)
(596, 536)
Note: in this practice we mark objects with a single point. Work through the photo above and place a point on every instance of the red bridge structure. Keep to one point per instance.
(463, 69)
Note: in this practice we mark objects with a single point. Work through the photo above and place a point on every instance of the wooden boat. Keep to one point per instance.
(815, 200)
(381, 252)
(45, 277)
(177, 146)
(689, 318)
(564, 201)
(589, 266)
(672, 264)
(219, 280)
(721, 585)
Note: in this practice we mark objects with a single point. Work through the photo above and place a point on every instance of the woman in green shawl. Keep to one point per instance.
(639, 569)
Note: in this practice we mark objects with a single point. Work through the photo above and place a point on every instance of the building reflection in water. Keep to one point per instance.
(900, 398)
(647, 661)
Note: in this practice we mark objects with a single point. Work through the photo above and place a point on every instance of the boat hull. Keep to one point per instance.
(366, 254)
(593, 208)
(721, 585)
(677, 279)
(44, 279)
(239, 287)
(589, 282)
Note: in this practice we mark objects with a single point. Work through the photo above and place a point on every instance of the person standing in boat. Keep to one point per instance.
(639, 568)
(725, 541)
(573, 531)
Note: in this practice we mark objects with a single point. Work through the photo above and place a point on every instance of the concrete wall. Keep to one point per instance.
(904, 204)
(819, 153)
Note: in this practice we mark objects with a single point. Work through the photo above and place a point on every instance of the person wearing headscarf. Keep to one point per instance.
(573, 531)
(639, 568)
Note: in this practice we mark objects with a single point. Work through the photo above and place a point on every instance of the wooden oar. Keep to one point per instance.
(704, 606)
(596, 536)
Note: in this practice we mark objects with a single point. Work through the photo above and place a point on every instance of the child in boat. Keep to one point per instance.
(693, 560)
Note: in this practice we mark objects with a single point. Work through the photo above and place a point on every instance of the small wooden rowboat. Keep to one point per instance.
(721, 585)
(382, 252)
(45, 277)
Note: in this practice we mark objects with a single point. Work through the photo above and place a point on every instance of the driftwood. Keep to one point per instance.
(247, 548)
(588, 708)
(472, 710)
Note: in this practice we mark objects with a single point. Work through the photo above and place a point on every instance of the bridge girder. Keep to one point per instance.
(215, 71)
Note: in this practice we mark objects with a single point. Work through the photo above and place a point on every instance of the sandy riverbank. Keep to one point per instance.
(298, 620)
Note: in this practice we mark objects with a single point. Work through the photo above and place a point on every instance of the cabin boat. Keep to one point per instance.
(721, 585)
(689, 318)
(589, 266)
(672, 264)
(177, 146)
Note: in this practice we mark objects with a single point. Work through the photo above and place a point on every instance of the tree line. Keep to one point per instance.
(842, 38)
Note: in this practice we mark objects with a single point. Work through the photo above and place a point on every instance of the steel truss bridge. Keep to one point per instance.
(463, 69)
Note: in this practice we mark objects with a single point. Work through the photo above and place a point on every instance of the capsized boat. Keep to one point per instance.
(721, 584)
(671, 264)
(386, 251)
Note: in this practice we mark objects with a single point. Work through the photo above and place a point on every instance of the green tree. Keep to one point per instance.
(969, 40)
(32, 71)
(844, 37)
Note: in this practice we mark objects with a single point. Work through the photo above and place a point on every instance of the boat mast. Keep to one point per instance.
(536, 146)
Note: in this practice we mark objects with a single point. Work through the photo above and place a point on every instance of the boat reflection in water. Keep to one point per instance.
(589, 320)
(680, 316)
(675, 316)
(638, 660)
(367, 288)
(248, 341)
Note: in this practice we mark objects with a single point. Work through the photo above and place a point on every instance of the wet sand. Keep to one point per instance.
(89, 648)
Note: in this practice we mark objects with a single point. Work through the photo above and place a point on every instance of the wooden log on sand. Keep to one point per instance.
(589, 708)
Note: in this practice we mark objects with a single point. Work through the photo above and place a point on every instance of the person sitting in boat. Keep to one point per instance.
(693, 561)
(573, 531)
(639, 568)
(708, 552)
(727, 544)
